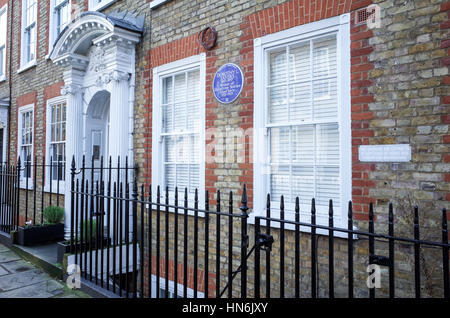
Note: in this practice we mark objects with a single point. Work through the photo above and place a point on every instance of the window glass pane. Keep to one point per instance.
(299, 62)
(278, 67)
(324, 53)
(167, 119)
(167, 90)
(169, 149)
(328, 185)
(303, 183)
(325, 99)
(180, 88)
(302, 146)
(170, 176)
(279, 145)
(300, 102)
(193, 83)
(280, 182)
(278, 110)
(183, 176)
(328, 144)
(193, 123)
(179, 121)
(194, 177)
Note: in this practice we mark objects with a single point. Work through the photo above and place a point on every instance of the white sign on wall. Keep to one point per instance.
(385, 153)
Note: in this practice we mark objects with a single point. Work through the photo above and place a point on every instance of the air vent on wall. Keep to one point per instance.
(363, 15)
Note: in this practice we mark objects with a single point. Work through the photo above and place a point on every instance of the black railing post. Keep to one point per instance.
(391, 253)
(218, 246)
(244, 242)
(230, 245)
(297, 248)
(175, 240)
(313, 250)
(34, 188)
(257, 258)
(350, 250)
(331, 251)
(371, 245)
(417, 251)
(18, 195)
(196, 243)
(282, 247)
(135, 199)
(27, 171)
(166, 243)
(206, 281)
(445, 254)
(268, 216)
(72, 212)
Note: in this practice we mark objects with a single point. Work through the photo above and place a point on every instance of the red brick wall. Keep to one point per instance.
(445, 7)
(267, 21)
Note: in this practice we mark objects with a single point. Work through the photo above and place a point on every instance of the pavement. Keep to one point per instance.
(21, 279)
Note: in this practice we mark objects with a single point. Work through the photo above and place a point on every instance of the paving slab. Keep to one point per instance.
(8, 256)
(21, 279)
(17, 266)
(40, 290)
(3, 271)
(14, 281)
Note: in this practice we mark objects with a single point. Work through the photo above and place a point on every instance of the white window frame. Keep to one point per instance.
(62, 183)
(25, 65)
(53, 34)
(196, 61)
(97, 6)
(23, 180)
(339, 25)
(4, 11)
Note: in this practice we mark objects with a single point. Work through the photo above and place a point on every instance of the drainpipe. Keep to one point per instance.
(11, 8)
(131, 109)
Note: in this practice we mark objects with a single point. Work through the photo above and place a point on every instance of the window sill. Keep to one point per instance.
(156, 3)
(2, 78)
(54, 190)
(101, 6)
(306, 229)
(27, 67)
(23, 185)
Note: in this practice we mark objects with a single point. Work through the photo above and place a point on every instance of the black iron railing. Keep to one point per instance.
(144, 241)
(27, 188)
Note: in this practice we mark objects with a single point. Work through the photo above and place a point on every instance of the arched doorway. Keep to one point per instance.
(97, 128)
(97, 55)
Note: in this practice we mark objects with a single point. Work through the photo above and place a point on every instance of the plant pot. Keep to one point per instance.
(29, 236)
(64, 248)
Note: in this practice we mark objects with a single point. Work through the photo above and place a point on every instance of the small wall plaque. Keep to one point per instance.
(385, 153)
(228, 83)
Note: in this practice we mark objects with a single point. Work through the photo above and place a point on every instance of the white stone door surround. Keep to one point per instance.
(96, 56)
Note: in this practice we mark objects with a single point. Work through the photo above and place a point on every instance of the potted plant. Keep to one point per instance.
(83, 241)
(51, 230)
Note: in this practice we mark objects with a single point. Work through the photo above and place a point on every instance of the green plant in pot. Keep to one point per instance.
(87, 234)
(53, 215)
(51, 230)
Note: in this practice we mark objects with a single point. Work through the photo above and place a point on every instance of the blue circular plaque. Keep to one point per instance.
(228, 83)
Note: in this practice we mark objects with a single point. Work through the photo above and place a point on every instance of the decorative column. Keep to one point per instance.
(119, 116)
(74, 132)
